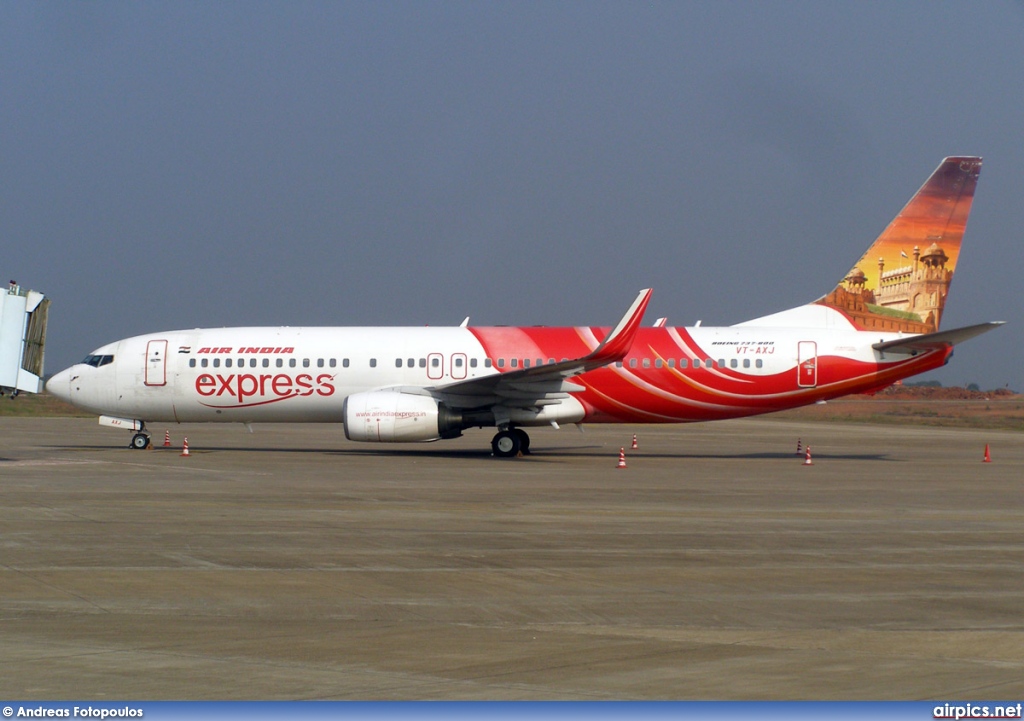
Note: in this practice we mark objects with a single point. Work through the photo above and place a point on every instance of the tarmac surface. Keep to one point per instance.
(292, 564)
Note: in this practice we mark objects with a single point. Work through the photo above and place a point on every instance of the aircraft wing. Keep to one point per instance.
(546, 384)
(933, 341)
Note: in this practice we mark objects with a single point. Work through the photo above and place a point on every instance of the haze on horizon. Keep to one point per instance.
(407, 163)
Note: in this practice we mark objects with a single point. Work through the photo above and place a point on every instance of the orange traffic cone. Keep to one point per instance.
(988, 458)
(167, 439)
(184, 447)
(799, 448)
(807, 458)
(622, 458)
(634, 446)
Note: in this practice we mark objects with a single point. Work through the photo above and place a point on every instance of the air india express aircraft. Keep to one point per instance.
(878, 325)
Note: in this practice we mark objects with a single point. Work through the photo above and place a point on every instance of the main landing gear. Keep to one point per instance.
(510, 443)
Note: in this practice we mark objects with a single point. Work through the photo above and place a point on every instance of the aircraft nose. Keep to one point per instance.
(59, 385)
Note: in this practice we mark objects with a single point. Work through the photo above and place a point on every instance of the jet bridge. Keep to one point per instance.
(22, 338)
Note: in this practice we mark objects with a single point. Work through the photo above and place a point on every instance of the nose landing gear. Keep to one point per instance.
(140, 441)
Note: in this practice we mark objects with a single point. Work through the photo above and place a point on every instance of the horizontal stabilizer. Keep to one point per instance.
(934, 341)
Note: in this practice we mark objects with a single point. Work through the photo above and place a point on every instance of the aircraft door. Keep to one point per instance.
(156, 363)
(458, 366)
(435, 366)
(807, 364)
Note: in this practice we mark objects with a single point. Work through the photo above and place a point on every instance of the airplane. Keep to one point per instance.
(878, 325)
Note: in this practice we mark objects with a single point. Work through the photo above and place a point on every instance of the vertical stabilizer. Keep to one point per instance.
(901, 282)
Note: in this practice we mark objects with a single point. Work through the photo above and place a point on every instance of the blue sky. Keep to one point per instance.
(174, 165)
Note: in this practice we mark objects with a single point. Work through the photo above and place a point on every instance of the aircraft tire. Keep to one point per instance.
(505, 444)
(524, 440)
(140, 442)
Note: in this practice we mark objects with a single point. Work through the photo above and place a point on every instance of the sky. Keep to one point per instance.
(205, 164)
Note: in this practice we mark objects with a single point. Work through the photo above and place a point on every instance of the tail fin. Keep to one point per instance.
(901, 282)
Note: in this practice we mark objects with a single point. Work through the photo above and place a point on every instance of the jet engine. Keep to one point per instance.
(393, 417)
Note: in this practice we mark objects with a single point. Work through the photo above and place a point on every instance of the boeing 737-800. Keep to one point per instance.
(879, 324)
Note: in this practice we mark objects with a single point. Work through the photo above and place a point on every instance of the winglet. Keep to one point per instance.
(617, 344)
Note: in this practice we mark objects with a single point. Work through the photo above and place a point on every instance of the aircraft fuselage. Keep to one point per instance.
(670, 375)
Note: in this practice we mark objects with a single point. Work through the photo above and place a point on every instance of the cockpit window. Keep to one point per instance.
(98, 360)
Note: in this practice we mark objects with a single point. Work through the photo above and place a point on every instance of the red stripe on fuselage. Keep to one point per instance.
(666, 394)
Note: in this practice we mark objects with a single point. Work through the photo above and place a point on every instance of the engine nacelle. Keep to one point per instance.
(393, 417)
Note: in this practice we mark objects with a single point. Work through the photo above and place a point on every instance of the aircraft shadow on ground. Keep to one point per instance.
(539, 454)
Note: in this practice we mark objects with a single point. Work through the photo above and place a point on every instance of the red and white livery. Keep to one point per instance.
(878, 325)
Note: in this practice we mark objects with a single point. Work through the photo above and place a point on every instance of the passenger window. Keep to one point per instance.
(746, 362)
(501, 362)
(526, 362)
(305, 362)
(671, 362)
(514, 362)
(487, 363)
(280, 363)
(191, 362)
(647, 362)
(373, 362)
(411, 363)
(333, 363)
(291, 362)
(733, 363)
(435, 362)
(398, 362)
(227, 362)
(266, 362)
(632, 362)
(319, 362)
(204, 362)
(658, 363)
(252, 362)
(618, 364)
(472, 362)
(216, 362)
(458, 362)
(721, 362)
(759, 363)
(684, 362)
(344, 362)
(423, 362)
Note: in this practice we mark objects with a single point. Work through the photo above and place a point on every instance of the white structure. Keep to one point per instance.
(22, 338)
